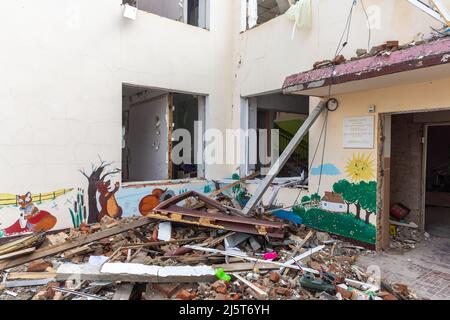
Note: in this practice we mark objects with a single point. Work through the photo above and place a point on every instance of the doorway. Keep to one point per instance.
(437, 198)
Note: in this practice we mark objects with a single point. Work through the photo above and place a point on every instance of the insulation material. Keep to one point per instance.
(301, 14)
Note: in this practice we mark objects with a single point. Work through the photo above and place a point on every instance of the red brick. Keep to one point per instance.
(220, 287)
(346, 294)
(39, 266)
(186, 295)
(167, 289)
(274, 277)
(283, 291)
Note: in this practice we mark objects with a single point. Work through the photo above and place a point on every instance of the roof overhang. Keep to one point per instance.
(420, 63)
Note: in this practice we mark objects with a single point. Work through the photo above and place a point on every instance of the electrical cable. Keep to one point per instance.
(368, 25)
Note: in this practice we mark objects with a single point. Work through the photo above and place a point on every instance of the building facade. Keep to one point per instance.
(91, 99)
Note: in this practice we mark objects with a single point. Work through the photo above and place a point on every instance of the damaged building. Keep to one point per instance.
(225, 149)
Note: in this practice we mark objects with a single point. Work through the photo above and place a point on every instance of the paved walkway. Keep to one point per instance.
(426, 269)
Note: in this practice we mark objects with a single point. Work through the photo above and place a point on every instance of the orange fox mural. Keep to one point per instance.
(31, 218)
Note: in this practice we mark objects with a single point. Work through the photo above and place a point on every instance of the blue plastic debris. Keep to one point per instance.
(289, 216)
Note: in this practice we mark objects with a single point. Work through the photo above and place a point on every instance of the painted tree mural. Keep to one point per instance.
(344, 188)
(368, 198)
(315, 198)
(306, 200)
(98, 174)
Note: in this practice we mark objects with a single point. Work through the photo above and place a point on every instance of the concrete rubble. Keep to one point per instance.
(150, 259)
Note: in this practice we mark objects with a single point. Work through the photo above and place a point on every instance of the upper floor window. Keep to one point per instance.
(193, 12)
(256, 12)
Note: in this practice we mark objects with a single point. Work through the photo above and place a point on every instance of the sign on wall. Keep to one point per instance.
(359, 132)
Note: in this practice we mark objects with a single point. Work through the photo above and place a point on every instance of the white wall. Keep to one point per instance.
(268, 54)
(148, 142)
(62, 66)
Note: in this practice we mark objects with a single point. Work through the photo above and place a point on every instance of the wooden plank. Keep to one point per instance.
(246, 266)
(124, 291)
(303, 255)
(17, 253)
(42, 253)
(260, 293)
(30, 275)
(411, 225)
(217, 192)
(244, 257)
(77, 251)
(28, 283)
(300, 245)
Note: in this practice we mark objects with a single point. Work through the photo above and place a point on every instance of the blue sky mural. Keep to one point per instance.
(327, 170)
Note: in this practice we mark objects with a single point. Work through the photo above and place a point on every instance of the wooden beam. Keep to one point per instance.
(232, 185)
(284, 158)
(17, 253)
(42, 253)
(30, 275)
(259, 292)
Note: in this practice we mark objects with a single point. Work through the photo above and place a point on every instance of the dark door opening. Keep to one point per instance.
(437, 212)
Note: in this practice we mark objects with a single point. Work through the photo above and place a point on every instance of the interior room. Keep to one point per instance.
(420, 169)
(269, 9)
(149, 120)
(437, 214)
(286, 114)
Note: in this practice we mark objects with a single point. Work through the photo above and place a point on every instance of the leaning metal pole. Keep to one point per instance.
(279, 164)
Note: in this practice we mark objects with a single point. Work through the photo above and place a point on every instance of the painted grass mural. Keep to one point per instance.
(349, 209)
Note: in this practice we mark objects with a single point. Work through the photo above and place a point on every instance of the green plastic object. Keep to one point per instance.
(221, 275)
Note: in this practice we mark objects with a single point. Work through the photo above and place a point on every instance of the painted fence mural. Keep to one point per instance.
(27, 213)
(349, 208)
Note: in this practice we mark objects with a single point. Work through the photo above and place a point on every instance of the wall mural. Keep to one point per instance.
(349, 208)
(98, 184)
(70, 208)
(28, 213)
(140, 199)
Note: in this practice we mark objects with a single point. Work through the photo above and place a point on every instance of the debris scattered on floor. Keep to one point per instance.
(190, 247)
(404, 234)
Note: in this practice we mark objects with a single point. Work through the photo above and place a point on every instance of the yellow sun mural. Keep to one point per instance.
(360, 168)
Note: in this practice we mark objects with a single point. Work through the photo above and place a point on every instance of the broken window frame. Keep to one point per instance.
(250, 142)
(249, 14)
(203, 11)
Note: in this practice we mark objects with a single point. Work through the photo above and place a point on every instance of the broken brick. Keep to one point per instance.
(274, 277)
(166, 289)
(338, 60)
(220, 287)
(186, 295)
(39, 266)
(346, 294)
(392, 44)
(283, 291)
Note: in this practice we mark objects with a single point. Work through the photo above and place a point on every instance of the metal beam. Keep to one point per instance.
(428, 10)
(442, 9)
(283, 159)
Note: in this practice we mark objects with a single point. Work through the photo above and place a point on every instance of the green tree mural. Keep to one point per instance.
(306, 199)
(368, 198)
(316, 198)
(344, 188)
(351, 193)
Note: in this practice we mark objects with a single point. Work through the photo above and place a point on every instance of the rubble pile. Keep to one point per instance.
(188, 255)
